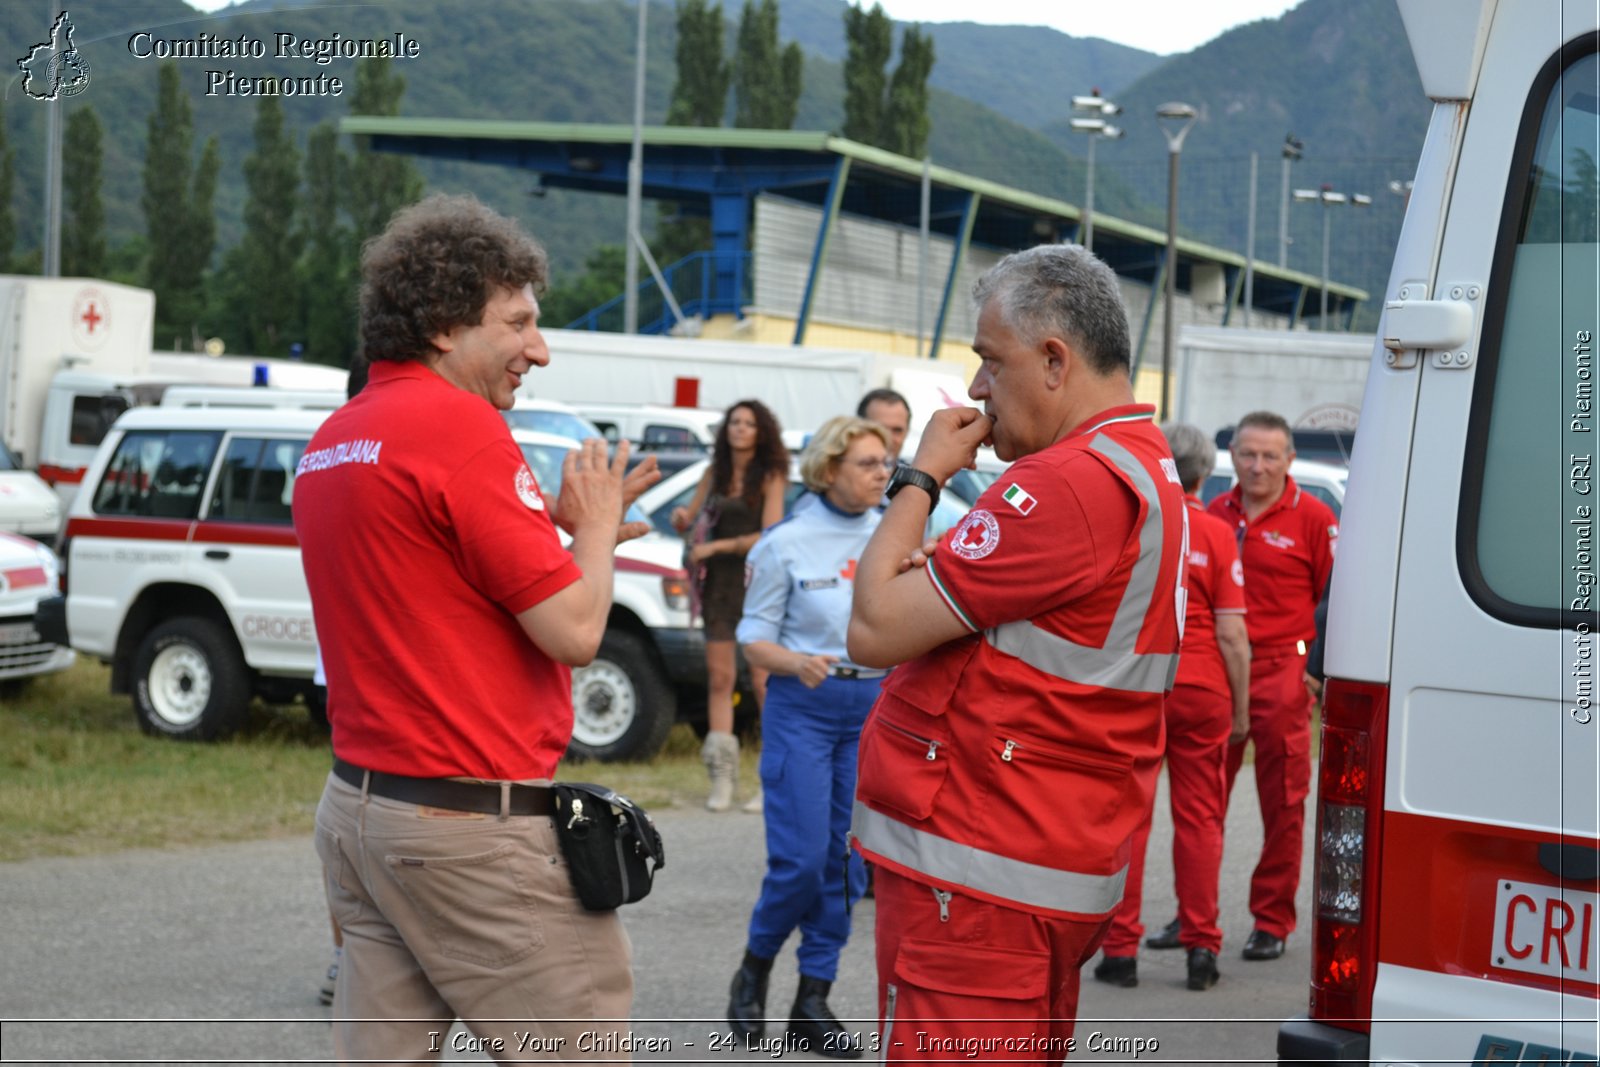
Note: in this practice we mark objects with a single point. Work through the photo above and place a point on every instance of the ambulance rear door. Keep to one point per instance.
(1486, 905)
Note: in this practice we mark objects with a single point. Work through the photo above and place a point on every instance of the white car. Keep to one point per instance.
(27, 505)
(28, 574)
(185, 576)
(549, 416)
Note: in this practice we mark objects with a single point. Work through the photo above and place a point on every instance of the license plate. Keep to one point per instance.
(1542, 929)
(18, 633)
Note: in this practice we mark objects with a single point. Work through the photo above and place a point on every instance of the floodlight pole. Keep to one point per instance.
(1184, 115)
(630, 292)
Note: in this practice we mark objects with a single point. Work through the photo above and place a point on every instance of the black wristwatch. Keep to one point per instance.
(904, 476)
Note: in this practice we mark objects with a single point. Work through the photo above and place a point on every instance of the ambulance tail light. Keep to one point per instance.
(1344, 955)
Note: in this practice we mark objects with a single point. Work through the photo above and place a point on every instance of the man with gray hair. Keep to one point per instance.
(1008, 763)
(1209, 706)
(1287, 541)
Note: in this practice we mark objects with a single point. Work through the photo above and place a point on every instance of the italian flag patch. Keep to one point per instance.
(1019, 498)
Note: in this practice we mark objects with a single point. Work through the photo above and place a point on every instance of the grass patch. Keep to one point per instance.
(78, 777)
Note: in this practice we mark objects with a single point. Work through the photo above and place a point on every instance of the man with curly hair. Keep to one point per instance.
(450, 616)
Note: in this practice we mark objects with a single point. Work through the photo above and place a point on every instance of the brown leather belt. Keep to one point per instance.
(447, 793)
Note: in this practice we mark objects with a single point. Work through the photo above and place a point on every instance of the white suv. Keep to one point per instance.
(183, 572)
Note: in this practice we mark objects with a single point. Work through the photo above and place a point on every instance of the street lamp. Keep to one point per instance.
(1292, 150)
(1175, 119)
(1096, 126)
(1328, 198)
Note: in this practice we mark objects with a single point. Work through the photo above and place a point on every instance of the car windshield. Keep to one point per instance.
(561, 423)
(545, 462)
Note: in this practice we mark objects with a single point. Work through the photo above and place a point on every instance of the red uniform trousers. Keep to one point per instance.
(1198, 723)
(963, 979)
(1280, 726)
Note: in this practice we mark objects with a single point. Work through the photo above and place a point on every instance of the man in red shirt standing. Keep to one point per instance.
(1287, 541)
(1013, 753)
(1207, 708)
(449, 617)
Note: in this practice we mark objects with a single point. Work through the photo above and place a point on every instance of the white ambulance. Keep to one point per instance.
(1456, 899)
(183, 573)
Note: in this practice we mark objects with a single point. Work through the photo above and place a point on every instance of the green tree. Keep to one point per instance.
(879, 110)
(381, 183)
(766, 79)
(869, 39)
(177, 211)
(327, 270)
(83, 223)
(262, 271)
(700, 95)
(906, 122)
(601, 280)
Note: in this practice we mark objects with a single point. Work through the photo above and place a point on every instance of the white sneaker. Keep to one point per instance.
(753, 806)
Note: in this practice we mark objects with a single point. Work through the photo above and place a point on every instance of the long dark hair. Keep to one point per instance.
(770, 456)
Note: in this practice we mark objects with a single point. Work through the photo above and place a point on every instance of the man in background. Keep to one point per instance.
(1287, 540)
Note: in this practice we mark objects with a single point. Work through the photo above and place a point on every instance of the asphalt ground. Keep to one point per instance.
(215, 955)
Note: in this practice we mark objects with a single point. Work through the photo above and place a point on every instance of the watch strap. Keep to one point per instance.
(904, 476)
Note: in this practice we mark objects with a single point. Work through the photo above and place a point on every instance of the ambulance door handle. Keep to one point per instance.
(1573, 863)
(218, 553)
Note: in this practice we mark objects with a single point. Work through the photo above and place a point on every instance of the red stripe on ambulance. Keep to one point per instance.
(1488, 907)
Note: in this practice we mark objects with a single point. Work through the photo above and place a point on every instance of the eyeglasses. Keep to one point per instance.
(870, 465)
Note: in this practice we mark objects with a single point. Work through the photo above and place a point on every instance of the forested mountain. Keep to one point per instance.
(1336, 72)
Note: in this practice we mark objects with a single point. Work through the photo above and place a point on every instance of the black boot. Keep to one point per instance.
(747, 996)
(812, 1026)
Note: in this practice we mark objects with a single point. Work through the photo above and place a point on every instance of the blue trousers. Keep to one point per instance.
(809, 739)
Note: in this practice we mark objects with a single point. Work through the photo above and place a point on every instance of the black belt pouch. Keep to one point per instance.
(612, 847)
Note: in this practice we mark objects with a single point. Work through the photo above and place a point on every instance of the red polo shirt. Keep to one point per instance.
(1215, 579)
(1288, 554)
(423, 533)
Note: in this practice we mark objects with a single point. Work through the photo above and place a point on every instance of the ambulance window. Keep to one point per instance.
(256, 482)
(1528, 524)
(92, 417)
(156, 474)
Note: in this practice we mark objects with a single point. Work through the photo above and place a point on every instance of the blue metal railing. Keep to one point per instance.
(692, 282)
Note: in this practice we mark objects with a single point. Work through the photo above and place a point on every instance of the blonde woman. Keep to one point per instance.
(796, 611)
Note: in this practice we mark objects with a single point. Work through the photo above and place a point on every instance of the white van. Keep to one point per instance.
(655, 427)
(1456, 895)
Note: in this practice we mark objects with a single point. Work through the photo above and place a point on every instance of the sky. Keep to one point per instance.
(1161, 26)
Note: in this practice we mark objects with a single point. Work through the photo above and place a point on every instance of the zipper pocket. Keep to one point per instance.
(933, 745)
(1106, 764)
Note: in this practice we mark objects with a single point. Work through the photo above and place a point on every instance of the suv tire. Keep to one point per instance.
(190, 681)
(622, 706)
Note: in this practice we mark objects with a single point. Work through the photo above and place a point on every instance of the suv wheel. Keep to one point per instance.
(190, 681)
(622, 706)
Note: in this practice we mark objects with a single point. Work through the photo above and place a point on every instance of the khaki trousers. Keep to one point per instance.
(451, 915)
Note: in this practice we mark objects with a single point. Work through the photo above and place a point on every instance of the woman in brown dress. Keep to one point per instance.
(740, 495)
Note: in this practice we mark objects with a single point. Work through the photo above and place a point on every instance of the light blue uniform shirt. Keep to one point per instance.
(801, 580)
